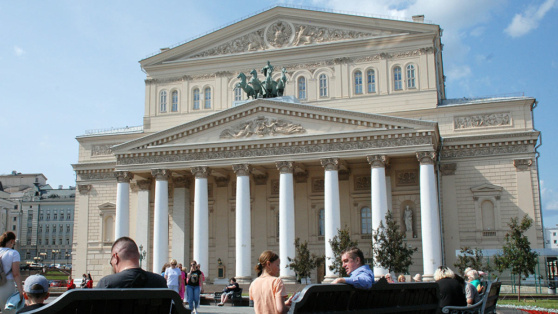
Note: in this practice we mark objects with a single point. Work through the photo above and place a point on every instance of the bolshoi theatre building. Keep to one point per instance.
(295, 123)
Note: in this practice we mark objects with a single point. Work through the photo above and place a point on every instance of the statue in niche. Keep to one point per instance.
(408, 219)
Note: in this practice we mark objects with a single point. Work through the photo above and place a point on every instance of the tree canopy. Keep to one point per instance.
(339, 243)
(390, 249)
(304, 262)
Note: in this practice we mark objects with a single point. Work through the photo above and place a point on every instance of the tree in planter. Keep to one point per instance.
(390, 250)
(304, 262)
(339, 243)
(517, 255)
(473, 258)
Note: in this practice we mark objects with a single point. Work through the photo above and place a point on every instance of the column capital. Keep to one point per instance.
(522, 164)
(241, 169)
(377, 161)
(200, 172)
(285, 166)
(123, 176)
(84, 188)
(161, 174)
(426, 158)
(330, 163)
(181, 182)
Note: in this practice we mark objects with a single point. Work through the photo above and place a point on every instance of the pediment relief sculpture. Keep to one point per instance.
(262, 126)
(280, 34)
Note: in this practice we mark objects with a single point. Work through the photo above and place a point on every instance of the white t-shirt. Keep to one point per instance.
(173, 274)
(8, 258)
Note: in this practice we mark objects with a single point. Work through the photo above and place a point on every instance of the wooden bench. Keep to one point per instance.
(486, 305)
(235, 298)
(383, 297)
(116, 301)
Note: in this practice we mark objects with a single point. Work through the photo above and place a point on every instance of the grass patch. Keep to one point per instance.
(547, 304)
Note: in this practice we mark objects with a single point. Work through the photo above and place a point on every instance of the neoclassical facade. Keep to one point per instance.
(365, 127)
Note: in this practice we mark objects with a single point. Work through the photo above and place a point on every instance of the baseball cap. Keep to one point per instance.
(35, 280)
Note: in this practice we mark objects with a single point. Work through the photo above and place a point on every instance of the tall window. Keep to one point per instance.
(366, 220)
(174, 101)
(301, 87)
(358, 82)
(487, 208)
(196, 99)
(237, 93)
(371, 81)
(207, 98)
(397, 81)
(321, 230)
(411, 81)
(163, 101)
(323, 85)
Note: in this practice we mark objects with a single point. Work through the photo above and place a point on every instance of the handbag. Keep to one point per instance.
(15, 302)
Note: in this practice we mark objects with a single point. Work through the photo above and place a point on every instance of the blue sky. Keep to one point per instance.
(70, 66)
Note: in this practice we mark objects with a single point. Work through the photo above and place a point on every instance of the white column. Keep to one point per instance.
(201, 218)
(286, 220)
(161, 219)
(379, 198)
(243, 232)
(332, 211)
(143, 221)
(122, 223)
(181, 185)
(430, 218)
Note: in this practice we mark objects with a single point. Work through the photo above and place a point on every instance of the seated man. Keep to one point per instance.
(361, 276)
(229, 291)
(124, 260)
(35, 292)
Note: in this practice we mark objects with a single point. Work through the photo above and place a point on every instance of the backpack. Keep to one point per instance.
(3, 275)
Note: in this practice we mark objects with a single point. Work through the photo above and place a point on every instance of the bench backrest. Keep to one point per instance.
(116, 301)
(491, 297)
(383, 297)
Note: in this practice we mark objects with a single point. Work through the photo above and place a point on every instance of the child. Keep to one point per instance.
(35, 292)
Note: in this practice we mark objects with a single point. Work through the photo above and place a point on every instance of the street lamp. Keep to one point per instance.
(43, 256)
(68, 254)
(142, 254)
(54, 252)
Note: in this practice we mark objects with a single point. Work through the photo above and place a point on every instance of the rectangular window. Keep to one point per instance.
(55, 216)
(30, 216)
(14, 228)
(14, 219)
(371, 81)
(237, 94)
(358, 82)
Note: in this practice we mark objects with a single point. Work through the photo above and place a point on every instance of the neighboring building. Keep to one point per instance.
(8, 210)
(214, 177)
(551, 237)
(41, 217)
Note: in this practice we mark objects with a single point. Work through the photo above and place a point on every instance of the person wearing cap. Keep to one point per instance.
(35, 292)
(124, 260)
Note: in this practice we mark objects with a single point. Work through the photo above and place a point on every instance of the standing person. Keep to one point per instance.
(71, 285)
(268, 291)
(193, 287)
(172, 275)
(124, 260)
(89, 282)
(181, 282)
(83, 283)
(361, 276)
(451, 292)
(10, 262)
(167, 265)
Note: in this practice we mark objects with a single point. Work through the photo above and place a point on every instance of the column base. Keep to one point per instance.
(290, 280)
(428, 278)
(243, 280)
(329, 278)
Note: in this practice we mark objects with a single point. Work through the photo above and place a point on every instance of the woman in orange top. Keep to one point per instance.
(268, 291)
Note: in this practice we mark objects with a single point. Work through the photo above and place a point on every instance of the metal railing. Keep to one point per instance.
(126, 129)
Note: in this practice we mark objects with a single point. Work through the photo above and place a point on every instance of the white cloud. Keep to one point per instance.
(18, 51)
(458, 72)
(549, 198)
(525, 22)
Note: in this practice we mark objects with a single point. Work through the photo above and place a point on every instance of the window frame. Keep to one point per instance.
(411, 74)
(196, 99)
(357, 81)
(163, 101)
(323, 85)
(174, 100)
(397, 78)
(207, 98)
(363, 222)
(302, 88)
(372, 84)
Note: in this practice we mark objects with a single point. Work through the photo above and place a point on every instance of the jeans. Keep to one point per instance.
(193, 296)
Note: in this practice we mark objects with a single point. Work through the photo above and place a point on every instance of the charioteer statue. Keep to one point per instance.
(266, 89)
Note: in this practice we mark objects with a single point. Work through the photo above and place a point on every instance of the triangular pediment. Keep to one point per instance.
(486, 189)
(262, 122)
(107, 206)
(280, 28)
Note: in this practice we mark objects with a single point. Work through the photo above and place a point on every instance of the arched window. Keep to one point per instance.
(371, 81)
(358, 82)
(302, 87)
(207, 98)
(397, 81)
(323, 85)
(321, 230)
(487, 208)
(411, 80)
(237, 93)
(163, 101)
(174, 101)
(366, 220)
(196, 99)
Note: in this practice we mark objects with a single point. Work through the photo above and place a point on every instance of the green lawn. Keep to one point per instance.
(547, 304)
